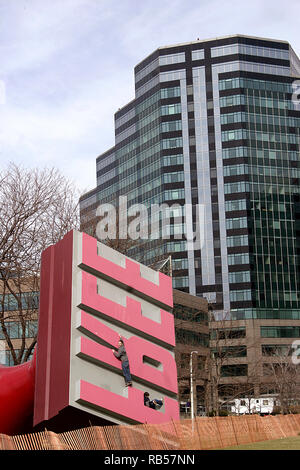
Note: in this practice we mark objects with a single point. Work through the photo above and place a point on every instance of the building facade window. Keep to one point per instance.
(280, 331)
(236, 223)
(238, 258)
(173, 92)
(240, 295)
(170, 109)
(240, 276)
(236, 205)
(234, 370)
(237, 240)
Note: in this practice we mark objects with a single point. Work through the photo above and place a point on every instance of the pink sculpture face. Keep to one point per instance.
(90, 294)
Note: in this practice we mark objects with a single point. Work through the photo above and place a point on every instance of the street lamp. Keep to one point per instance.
(192, 387)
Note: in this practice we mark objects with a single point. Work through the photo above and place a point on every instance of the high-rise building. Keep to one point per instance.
(214, 128)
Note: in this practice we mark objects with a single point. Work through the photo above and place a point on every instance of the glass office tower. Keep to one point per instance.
(213, 126)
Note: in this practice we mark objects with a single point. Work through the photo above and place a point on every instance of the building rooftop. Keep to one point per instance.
(219, 38)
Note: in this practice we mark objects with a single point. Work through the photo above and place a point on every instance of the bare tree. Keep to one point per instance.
(235, 364)
(90, 222)
(37, 208)
(227, 348)
(285, 376)
(192, 351)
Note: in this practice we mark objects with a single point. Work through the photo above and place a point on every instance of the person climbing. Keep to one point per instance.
(155, 404)
(147, 401)
(122, 356)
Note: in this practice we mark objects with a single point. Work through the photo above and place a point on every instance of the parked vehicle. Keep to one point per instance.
(260, 405)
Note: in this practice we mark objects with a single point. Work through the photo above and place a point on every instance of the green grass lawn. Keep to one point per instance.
(290, 443)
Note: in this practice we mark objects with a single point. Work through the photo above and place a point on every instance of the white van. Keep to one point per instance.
(261, 405)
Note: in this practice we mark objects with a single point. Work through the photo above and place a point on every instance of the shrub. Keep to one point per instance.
(276, 410)
(295, 409)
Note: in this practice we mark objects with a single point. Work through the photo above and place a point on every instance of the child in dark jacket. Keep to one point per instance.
(155, 404)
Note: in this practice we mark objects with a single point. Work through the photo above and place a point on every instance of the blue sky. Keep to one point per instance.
(67, 66)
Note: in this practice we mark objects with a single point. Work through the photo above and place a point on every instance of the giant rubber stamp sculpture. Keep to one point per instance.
(89, 295)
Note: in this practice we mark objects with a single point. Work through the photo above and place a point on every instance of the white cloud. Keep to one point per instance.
(79, 128)
(41, 30)
(67, 66)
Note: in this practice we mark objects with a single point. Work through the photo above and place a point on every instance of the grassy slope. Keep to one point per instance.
(290, 443)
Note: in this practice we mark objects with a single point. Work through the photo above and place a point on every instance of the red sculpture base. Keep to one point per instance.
(16, 397)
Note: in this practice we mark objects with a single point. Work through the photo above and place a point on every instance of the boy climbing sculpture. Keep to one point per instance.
(122, 356)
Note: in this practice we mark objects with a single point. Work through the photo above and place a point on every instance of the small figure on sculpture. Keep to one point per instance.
(155, 404)
(122, 356)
